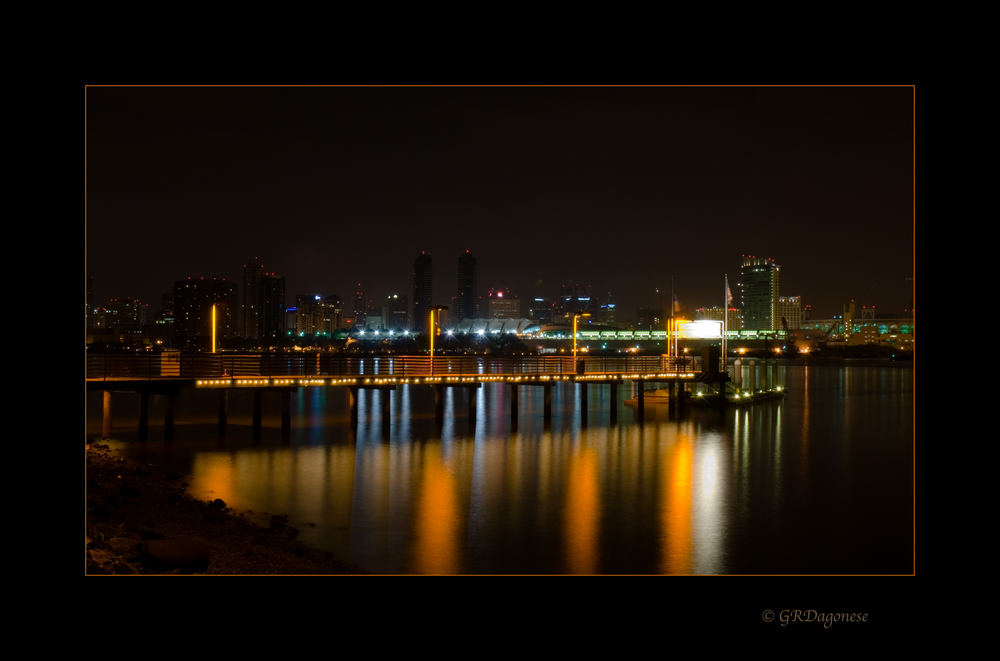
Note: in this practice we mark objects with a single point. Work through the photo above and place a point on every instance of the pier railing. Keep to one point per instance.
(175, 365)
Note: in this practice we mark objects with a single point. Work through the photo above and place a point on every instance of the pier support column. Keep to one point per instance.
(384, 395)
(143, 416)
(286, 413)
(640, 404)
(614, 403)
(583, 403)
(223, 410)
(168, 418)
(752, 377)
(257, 413)
(513, 406)
(106, 415)
(547, 406)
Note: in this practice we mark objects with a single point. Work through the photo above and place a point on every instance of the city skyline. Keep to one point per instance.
(621, 188)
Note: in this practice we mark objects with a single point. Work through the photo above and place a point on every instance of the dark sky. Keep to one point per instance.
(619, 187)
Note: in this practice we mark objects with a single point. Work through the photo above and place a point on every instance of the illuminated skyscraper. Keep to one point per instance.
(422, 300)
(193, 300)
(250, 313)
(465, 298)
(758, 285)
(503, 304)
(360, 307)
(271, 316)
(789, 312)
(396, 312)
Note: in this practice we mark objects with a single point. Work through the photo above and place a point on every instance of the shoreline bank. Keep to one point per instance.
(140, 520)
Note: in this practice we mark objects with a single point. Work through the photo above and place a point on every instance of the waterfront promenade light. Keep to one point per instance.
(435, 308)
(575, 317)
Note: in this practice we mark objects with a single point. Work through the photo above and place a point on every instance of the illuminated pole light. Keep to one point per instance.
(575, 317)
(213, 328)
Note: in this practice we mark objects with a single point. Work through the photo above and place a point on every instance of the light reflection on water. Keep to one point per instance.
(820, 482)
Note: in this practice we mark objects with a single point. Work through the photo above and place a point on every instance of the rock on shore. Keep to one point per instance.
(140, 520)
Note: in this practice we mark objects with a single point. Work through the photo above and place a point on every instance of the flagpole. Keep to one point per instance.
(725, 318)
(674, 340)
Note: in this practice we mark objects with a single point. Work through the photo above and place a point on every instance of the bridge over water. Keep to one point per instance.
(167, 374)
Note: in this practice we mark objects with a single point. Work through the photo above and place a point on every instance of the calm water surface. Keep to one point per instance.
(820, 482)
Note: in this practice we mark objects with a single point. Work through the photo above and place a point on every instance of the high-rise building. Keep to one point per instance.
(90, 303)
(789, 312)
(308, 314)
(422, 295)
(574, 298)
(396, 312)
(193, 301)
(271, 315)
(503, 304)
(649, 319)
(466, 304)
(607, 312)
(541, 309)
(250, 312)
(333, 314)
(759, 286)
(126, 315)
(360, 307)
(715, 313)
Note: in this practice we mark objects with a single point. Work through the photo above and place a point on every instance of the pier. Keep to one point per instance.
(279, 376)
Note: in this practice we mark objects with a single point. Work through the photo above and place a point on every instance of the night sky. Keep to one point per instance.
(621, 188)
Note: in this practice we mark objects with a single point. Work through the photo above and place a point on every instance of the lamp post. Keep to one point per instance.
(575, 317)
(434, 308)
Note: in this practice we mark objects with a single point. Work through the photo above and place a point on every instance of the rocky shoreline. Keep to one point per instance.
(140, 520)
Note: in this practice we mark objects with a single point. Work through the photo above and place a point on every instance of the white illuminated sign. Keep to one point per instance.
(703, 329)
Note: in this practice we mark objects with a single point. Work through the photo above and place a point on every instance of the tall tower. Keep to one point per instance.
(193, 301)
(758, 284)
(422, 291)
(465, 298)
(360, 308)
(271, 322)
(250, 313)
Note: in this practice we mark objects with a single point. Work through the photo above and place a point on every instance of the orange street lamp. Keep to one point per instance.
(213, 328)
(435, 308)
(575, 317)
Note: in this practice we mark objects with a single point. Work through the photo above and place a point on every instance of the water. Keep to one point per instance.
(820, 482)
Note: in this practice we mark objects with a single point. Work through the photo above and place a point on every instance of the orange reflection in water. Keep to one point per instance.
(675, 552)
(436, 548)
(582, 512)
(214, 477)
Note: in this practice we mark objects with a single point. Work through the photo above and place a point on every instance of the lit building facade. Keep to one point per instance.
(193, 301)
(396, 312)
(271, 311)
(422, 292)
(715, 313)
(360, 309)
(503, 304)
(759, 283)
(250, 312)
(789, 312)
(541, 309)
